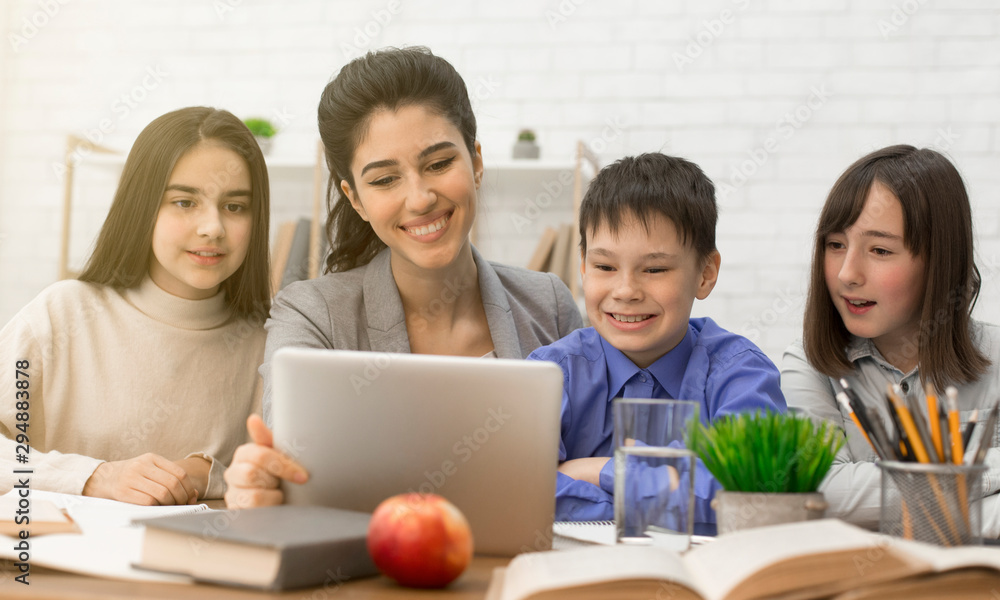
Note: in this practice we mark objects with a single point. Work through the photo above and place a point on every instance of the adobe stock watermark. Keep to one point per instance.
(35, 22)
(367, 33)
(711, 30)
(450, 293)
(564, 10)
(614, 127)
(121, 107)
(784, 129)
(785, 301)
(481, 89)
(224, 7)
(463, 450)
(374, 365)
(900, 15)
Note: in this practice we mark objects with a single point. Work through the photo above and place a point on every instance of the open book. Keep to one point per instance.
(105, 542)
(813, 559)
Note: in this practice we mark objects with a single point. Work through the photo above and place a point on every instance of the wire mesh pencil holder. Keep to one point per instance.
(935, 503)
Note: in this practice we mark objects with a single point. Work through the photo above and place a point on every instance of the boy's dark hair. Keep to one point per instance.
(649, 184)
(937, 225)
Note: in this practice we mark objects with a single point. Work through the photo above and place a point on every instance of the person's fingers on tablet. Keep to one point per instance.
(276, 463)
(246, 474)
(239, 497)
(258, 431)
(272, 461)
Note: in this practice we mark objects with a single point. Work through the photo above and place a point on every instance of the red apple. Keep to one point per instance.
(420, 540)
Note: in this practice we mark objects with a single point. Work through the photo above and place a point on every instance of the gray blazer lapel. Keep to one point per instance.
(384, 308)
(502, 329)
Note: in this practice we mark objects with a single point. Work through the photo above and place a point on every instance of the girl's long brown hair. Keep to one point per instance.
(937, 225)
(124, 246)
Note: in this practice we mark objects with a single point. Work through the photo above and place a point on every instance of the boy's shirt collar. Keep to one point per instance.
(668, 370)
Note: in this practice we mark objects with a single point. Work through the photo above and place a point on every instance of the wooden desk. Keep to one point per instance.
(55, 585)
(49, 584)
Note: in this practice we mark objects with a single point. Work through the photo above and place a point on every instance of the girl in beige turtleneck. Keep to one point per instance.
(134, 382)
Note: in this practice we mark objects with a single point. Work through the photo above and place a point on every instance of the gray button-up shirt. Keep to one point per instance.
(853, 486)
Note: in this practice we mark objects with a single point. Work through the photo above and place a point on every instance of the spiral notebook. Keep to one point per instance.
(571, 534)
(575, 534)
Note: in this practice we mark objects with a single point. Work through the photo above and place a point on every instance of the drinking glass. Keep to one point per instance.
(654, 472)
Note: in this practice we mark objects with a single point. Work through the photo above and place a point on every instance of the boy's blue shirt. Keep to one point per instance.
(725, 372)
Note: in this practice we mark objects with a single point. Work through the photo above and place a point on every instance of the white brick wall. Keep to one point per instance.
(708, 80)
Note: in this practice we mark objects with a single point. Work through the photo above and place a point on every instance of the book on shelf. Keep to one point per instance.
(271, 548)
(543, 251)
(561, 250)
(813, 559)
(279, 254)
(297, 264)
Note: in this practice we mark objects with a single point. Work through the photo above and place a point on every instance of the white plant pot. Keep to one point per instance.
(526, 149)
(745, 510)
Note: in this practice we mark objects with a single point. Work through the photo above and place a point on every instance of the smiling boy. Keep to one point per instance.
(647, 230)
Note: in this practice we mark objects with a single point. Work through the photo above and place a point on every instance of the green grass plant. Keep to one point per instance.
(766, 452)
(260, 127)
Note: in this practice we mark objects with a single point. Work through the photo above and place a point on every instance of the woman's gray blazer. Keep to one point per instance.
(360, 309)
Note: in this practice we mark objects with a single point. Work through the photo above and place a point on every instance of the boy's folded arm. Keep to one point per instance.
(587, 469)
(582, 501)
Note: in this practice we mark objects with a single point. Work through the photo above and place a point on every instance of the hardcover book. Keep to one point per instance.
(271, 548)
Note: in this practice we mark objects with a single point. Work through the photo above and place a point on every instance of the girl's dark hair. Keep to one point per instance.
(386, 79)
(124, 246)
(937, 225)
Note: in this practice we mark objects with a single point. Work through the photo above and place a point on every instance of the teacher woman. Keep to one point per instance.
(402, 275)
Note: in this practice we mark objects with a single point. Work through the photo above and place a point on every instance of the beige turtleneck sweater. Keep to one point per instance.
(114, 374)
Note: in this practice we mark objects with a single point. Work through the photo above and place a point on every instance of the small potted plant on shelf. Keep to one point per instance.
(770, 466)
(262, 130)
(526, 146)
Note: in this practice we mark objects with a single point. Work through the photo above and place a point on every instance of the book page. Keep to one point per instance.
(536, 572)
(107, 544)
(43, 518)
(97, 514)
(101, 554)
(772, 560)
(974, 584)
(947, 559)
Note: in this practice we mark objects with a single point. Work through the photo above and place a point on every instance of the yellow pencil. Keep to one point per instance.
(932, 416)
(906, 420)
(957, 452)
(842, 398)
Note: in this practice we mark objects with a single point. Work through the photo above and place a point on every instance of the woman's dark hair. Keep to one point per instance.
(937, 226)
(124, 246)
(386, 79)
